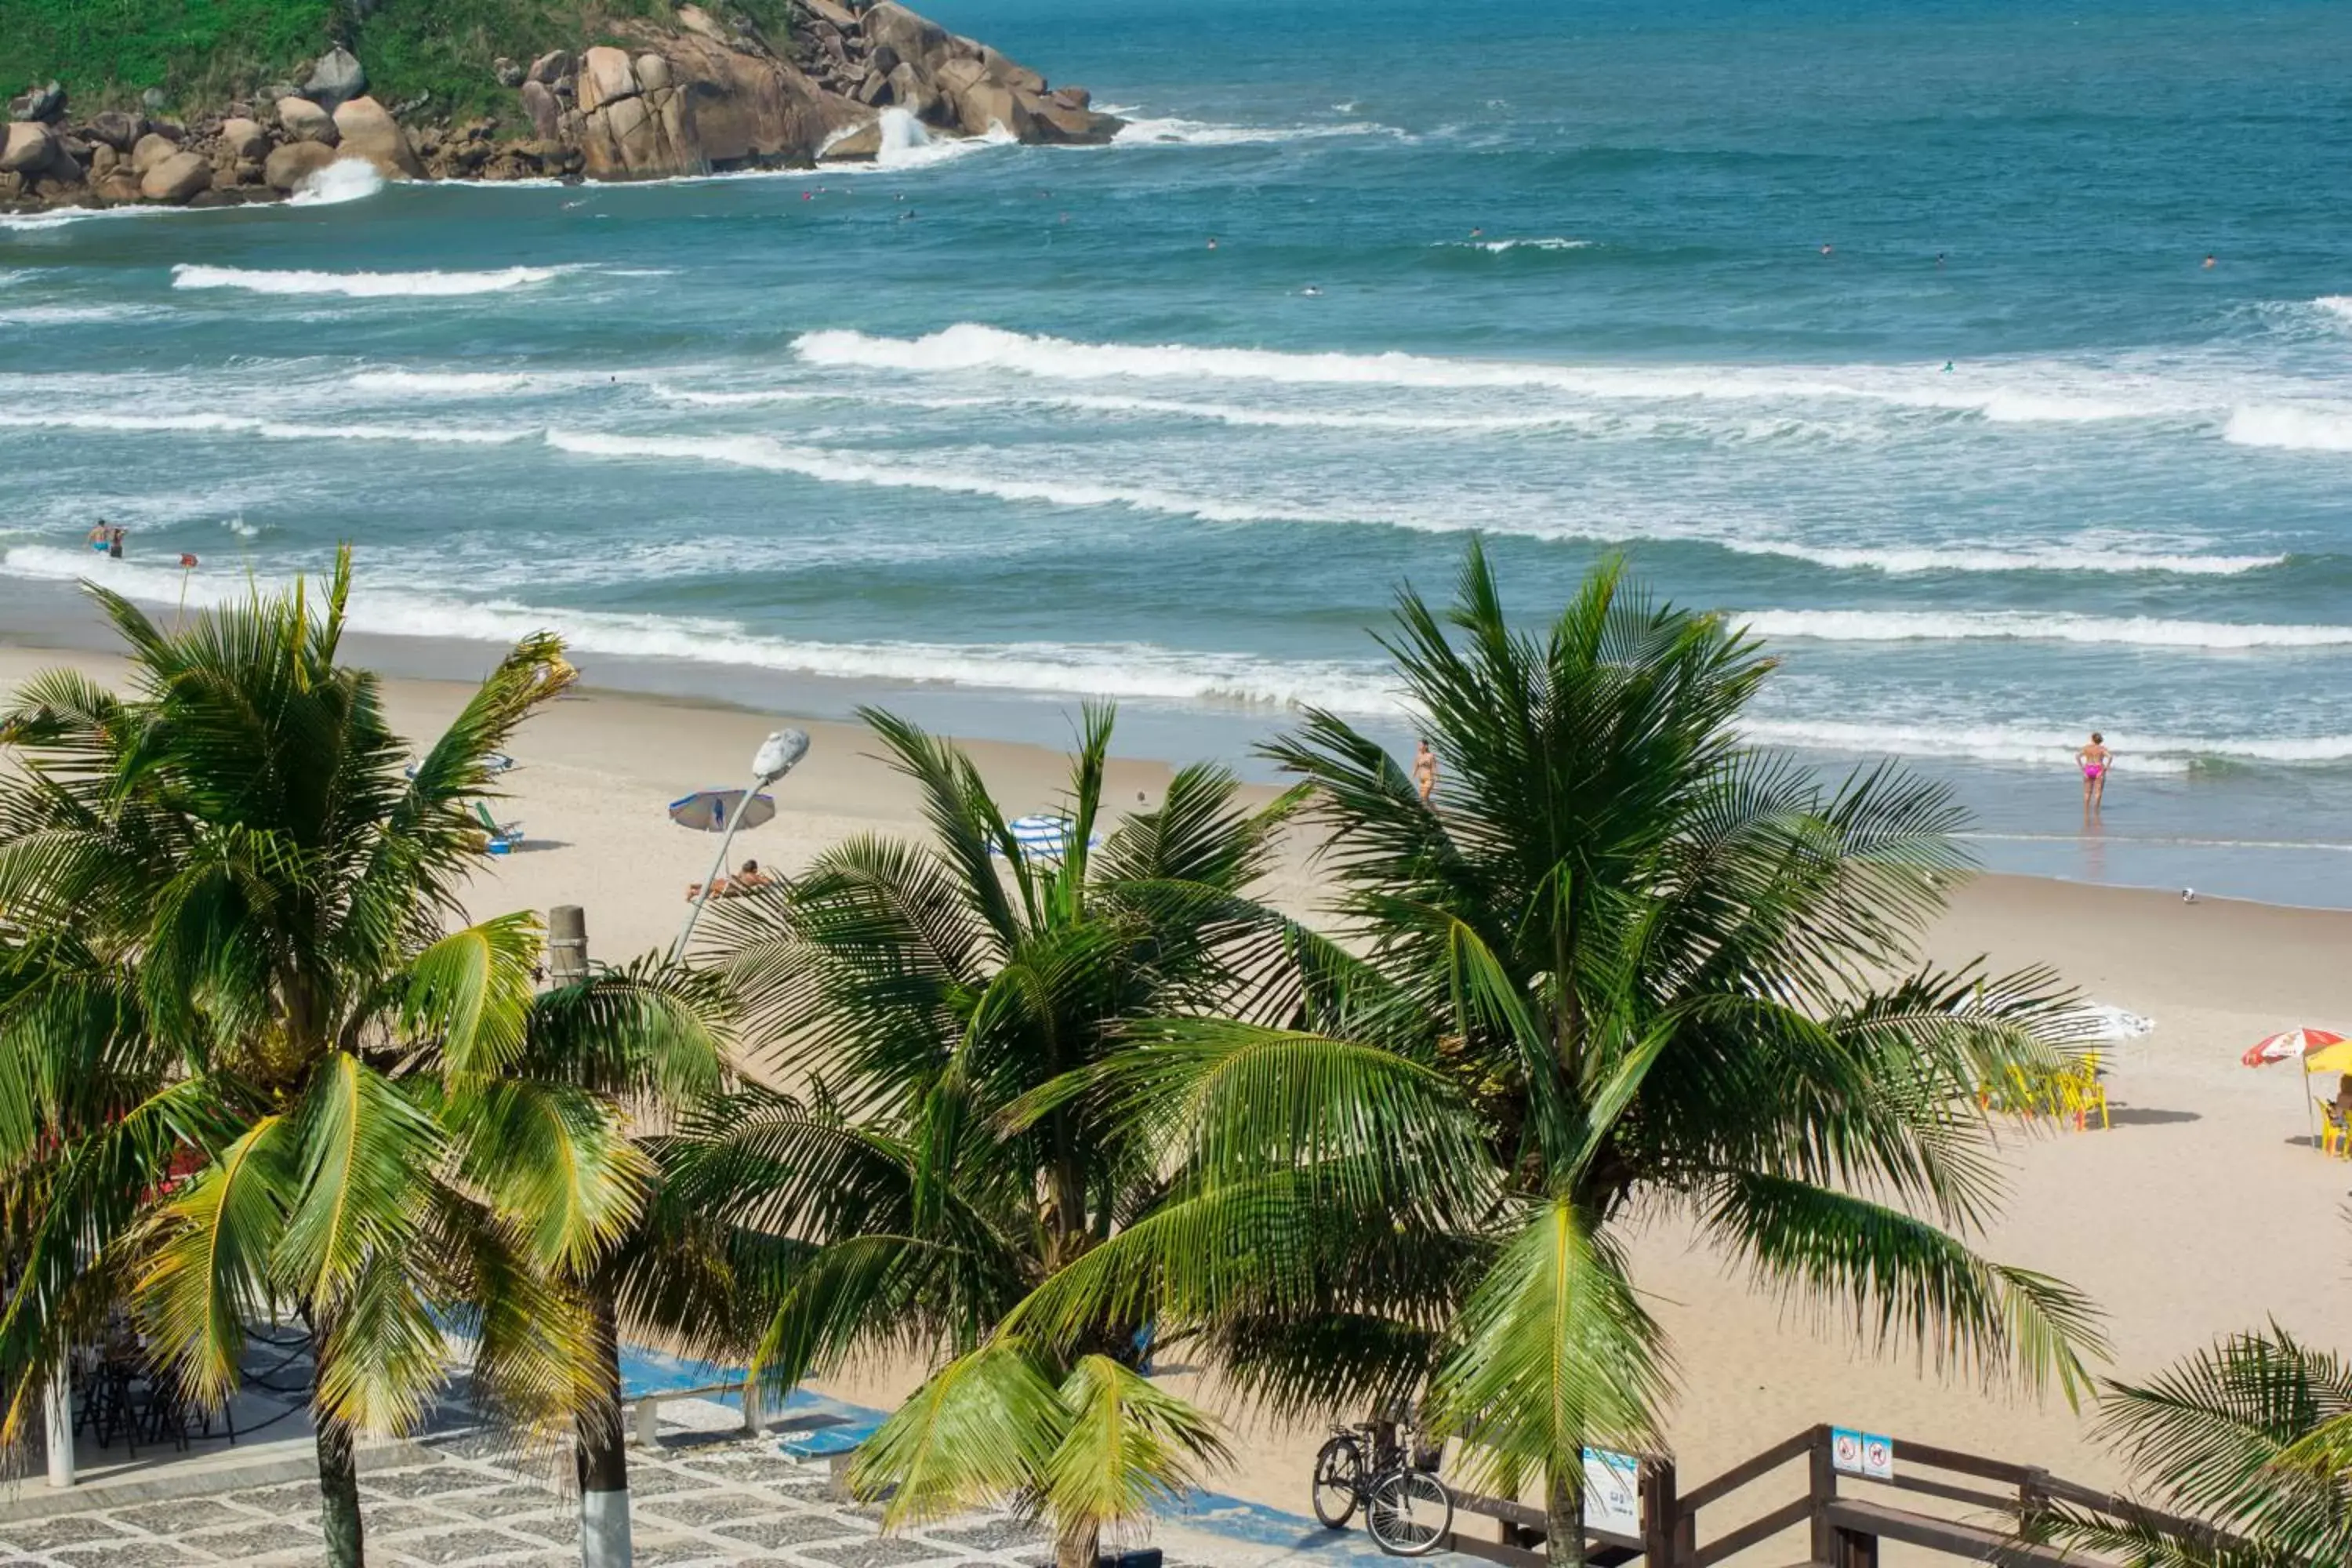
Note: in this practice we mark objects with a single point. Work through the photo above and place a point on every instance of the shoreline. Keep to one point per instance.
(2110, 1211)
(2255, 864)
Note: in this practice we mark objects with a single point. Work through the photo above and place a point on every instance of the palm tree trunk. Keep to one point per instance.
(339, 1493)
(603, 1460)
(1564, 1519)
(1076, 1545)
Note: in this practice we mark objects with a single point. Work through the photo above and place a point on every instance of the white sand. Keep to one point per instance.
(2203, 1211)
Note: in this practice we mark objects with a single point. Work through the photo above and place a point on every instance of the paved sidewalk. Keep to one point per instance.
(730, 1503)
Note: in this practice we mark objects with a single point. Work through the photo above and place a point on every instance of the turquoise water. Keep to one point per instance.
(991, 427)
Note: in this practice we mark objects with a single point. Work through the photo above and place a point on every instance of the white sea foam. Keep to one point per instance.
(2292, 428)
(841, 467)
(2133, 631)
(362, 285)
(970, 346)
(1498, 247)
(269, 429)
(73, 315)
(1908, 561)
(344, 180)
(452, 383)
(2049, 747)
(1131, 670)
(2336, 305)
(1170, 130)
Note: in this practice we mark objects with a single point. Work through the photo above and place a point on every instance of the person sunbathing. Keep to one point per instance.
(750, 879)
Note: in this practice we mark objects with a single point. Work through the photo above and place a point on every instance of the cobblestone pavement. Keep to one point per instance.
(726, 1502)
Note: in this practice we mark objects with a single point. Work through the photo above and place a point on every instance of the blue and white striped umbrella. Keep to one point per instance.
(1043, 836)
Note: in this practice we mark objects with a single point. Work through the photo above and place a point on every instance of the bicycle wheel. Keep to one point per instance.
(1408, 1512)
(1338, 1482)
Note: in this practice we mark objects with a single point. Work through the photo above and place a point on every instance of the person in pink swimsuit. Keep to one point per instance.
(2096, 762)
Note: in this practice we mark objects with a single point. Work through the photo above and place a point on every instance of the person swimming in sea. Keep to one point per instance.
(96, 537)
(2096, 761)
(2209, 263)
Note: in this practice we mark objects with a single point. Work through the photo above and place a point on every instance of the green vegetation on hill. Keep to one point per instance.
(202, 53)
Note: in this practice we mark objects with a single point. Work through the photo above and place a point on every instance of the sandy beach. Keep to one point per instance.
(2202, 1210)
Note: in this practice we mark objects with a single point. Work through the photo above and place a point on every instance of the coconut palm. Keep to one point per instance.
(2248, 1440)
(253, 1062)
(1621, 969)
(914, 996)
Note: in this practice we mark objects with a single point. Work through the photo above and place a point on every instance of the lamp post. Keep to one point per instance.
(775, 758)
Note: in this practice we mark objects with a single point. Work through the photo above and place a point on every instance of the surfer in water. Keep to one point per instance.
(2096, 761)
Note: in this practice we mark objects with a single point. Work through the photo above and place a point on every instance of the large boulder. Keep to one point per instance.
(287, 166)
(910, 37)
(606, 77)
(862, 145)
(367, 130)
(117, 128)
(116, 186)
(336, 80)
(550, 68)
(44, 103)
(31, 147)
(914, 93)
(1012, 73)
(1051, 119)
(745, 110)
(653, 72)
(176, 178)
(150, 149)
(988, 103)
(244, 141)
(546, 114)
(303, 120)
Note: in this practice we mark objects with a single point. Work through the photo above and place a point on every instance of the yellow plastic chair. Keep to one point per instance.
(2334, 1138)
(2086, 1092)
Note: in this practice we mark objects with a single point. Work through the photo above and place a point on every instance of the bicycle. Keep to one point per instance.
(1407, 1509)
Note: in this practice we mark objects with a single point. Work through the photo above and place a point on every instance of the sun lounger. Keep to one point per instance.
(500, 838)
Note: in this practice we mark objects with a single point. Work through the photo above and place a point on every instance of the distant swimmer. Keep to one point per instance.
(114, 544)
(1478, 233)
(1939, 258)
(2209, 263)
(2096, 761)
(1828, 249)
(1947, 367)
(1312, 292)
(1212, 242)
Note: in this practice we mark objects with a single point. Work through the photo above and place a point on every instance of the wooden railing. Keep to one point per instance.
(1844, 1523)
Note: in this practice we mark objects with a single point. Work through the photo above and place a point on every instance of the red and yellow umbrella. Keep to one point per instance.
(2291, 1045)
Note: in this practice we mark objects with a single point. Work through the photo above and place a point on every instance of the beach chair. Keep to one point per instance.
(2082, 1090)
(2335, 1137)
(497, 838)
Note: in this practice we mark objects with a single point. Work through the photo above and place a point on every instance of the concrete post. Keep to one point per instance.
(56, 1421)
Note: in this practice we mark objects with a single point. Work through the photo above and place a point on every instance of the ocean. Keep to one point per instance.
(1884, 328)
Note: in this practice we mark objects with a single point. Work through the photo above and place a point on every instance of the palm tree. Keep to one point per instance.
(2249, 1439)
(1622, 967)
(916, 997)
(252, 1062)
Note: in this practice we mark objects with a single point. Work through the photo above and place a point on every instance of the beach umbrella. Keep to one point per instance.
(2289, 1045)
(714, 810)
(2336, 1057)
(1042, 837)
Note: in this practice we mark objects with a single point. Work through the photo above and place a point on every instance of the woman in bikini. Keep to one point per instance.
(2094, 760)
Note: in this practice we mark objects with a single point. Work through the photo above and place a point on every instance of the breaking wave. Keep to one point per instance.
(2136, 631)
(2291, 429)
(362, 285)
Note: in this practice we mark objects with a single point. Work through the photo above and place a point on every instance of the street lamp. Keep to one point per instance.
(775, 758)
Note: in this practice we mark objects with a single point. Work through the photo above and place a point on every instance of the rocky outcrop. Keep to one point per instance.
(364, 130)
(176, 178)
(684, 97)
